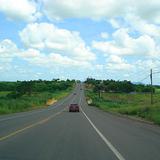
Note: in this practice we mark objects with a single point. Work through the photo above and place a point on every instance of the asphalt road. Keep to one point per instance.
(56, 134)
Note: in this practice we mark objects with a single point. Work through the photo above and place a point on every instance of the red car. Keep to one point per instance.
(74, 108)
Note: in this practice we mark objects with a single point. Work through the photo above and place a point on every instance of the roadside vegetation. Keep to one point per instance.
(27, 95)
(124, 98)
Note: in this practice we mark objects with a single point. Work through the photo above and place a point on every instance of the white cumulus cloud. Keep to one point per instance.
(142, 26)
(102, 9)
(104, 35)
(25, 10)
(117, 63)
(8, 50)
(81, 8)
(45, 36)
(35, 57)
(123, 44)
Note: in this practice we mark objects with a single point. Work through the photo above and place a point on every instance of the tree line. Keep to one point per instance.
(20, 88)
(117, 86)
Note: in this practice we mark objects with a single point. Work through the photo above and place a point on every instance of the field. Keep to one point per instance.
(26, 102)
(135, 104)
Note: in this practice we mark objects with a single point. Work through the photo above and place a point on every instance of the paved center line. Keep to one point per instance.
(107, 142)
(31, 126)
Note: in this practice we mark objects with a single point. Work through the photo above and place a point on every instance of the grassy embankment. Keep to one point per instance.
(26, 102)
(137, 104)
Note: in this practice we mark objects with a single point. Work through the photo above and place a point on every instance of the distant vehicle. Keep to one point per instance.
(74, 108)
(74, 93)
(81, 89)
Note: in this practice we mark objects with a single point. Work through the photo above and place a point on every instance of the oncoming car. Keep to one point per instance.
(74, 108)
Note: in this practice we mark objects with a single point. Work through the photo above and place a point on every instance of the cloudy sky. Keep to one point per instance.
(45, 39)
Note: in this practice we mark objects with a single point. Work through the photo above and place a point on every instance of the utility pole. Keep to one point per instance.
(151, 76)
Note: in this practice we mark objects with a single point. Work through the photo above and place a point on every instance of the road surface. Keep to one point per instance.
(56, 134)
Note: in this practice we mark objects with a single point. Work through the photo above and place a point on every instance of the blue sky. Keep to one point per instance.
(103, 39)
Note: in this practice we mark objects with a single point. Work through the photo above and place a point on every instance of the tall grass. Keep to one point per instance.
(26, 102)
(131, 104)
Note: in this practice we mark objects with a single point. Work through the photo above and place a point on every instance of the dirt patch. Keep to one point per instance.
(51, 101)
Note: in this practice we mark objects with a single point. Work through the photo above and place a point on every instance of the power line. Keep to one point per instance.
(145, 78)
(156, 72)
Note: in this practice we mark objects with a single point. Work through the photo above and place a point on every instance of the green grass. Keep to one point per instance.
(157, 90)
(131, 104)
(25, 103)
(4, 93)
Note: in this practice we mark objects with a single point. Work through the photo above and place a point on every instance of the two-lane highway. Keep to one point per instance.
(56, 134)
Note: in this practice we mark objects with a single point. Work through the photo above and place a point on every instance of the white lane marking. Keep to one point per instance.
(28, 114)
(107, 142)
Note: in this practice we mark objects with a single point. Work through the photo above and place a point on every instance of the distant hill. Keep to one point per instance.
(138, 83)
